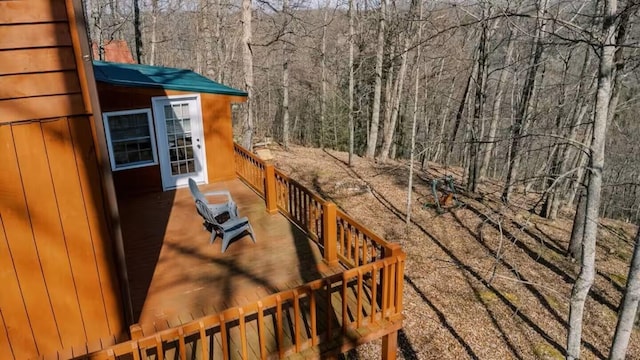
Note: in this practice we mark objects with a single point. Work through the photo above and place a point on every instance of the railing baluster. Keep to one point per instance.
(399, 284)
(262, 340)
(359, 299)
(296, 316)
(374, 293)
(182, 347)
(203, 340)
(385, 290)
(243, 334)
(329, 311)
(224, 337)
(356, 246)
(159, 348)
(279, 330)
(313, 310)
(345, 302)
(135, 350)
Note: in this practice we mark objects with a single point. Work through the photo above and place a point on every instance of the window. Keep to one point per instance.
(130, 139)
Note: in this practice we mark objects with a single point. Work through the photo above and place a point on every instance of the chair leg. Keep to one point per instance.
(251, 233)
(226, 239)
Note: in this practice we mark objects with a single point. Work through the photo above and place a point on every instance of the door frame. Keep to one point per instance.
(161, 135)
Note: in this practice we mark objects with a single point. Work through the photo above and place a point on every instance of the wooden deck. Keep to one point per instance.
(274, 299)
(176, 276)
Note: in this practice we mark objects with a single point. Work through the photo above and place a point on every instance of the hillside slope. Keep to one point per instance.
(482, 281)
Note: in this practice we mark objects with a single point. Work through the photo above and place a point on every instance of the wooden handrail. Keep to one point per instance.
(358, 245)
(250, 168)
(372, 292)
(343, 238)
(300, 204)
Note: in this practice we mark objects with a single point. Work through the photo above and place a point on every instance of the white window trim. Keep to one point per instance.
(152, 136)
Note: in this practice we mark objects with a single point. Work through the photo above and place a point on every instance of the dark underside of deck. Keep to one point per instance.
(175, 275)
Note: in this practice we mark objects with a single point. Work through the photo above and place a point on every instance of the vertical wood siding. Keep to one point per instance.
(59, 287)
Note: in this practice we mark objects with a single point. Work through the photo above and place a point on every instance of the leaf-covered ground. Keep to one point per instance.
(482, 280)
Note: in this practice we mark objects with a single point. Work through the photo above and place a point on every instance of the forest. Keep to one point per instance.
(505, 89)
(538, 95)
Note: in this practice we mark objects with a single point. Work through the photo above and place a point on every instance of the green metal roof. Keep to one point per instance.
(159, 77)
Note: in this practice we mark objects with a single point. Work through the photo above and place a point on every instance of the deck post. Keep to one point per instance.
(270, 194)
(329, 231)
(390, 346)
(135, 331)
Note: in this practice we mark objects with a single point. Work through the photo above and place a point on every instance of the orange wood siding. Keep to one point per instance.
(217, 128)
(20, 36)
(32, 11)
(59, 288)
(218, 134)
(28, 85)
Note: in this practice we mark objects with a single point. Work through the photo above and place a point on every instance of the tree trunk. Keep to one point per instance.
(323, 69)
(351, 82)
(554, 172)
(389, 130)
(628, 307)
(478, 107)
(495, 115)
(443, 123)
(154, 31)
(414, 121)
(456, 125)
(587, 270)
(577, 231)
(247, 63)
(579, 162)
(285, 76)
(137, 32)
(578, 113)
(525, 102)
(377, 89)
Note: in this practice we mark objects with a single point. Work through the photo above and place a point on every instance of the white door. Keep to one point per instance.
(180, 140)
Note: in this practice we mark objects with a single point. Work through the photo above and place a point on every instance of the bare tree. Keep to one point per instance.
(351, 81)
(247, 62)
(414, 119)
(285, 75)
(136, 29)
(495, 115)
(377, 90)
(596, 164)
(524, 105)
(628, 306)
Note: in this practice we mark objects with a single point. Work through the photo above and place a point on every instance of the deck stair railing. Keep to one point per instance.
(325, 316)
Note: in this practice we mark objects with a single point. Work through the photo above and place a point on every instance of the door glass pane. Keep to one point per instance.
(179, 139)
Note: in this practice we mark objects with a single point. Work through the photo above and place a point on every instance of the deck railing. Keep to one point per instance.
(332, 314)
(299, 204)
(250, 168)
(332, 310)
(343, 239)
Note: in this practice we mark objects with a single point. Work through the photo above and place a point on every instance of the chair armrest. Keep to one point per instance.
(219, 193)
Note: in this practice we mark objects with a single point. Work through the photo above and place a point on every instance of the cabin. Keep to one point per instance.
(170, 124)
(102, 252)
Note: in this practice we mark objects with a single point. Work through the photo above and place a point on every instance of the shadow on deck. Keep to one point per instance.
(176, 276)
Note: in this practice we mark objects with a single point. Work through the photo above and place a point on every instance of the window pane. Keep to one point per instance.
(130, 139)
(122, 127)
